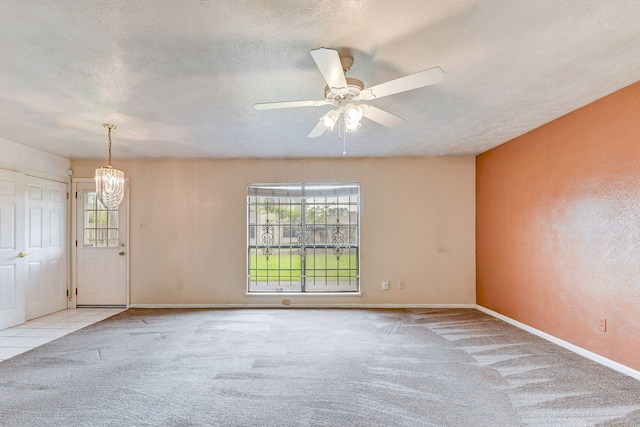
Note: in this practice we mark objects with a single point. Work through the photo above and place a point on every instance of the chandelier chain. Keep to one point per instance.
(109, 129)
(109, 133)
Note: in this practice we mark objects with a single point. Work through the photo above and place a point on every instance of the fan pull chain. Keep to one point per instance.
(344, 145)
(343, 138)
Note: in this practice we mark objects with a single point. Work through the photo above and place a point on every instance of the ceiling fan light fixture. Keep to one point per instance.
(352, 116)
(352, 127)
(330, 119)
(353, 113)
(109, 181)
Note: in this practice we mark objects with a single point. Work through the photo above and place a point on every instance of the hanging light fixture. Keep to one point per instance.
(109, 181)
(330, 119)
(352, 116)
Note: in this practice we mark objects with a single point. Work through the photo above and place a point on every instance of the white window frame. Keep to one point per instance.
(321, 256)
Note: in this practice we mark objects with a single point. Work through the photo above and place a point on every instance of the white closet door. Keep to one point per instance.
(46, 242)
(12, 249)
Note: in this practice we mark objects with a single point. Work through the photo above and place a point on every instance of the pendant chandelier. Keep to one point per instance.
(109, 181)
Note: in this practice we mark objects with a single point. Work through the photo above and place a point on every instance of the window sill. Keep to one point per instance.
(303, 294)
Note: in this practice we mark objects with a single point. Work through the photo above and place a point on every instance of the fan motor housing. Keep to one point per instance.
(337, 94)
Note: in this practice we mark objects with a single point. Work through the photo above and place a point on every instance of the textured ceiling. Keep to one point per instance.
(179, 78)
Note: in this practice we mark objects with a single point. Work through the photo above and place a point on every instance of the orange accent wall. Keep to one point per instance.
(558, 227)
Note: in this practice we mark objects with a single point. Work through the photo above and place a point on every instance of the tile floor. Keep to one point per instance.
(37, 332)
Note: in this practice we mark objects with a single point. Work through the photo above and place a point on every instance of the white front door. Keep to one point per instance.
(101, 249)
(46, 246)
(12, 249)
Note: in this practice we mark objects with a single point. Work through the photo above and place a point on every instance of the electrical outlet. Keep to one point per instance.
(180, 286)
(143, 226)
(385, 285)
(602, 325)
(401, 285)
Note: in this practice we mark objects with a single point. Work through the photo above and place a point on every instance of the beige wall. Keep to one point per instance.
(417, 226)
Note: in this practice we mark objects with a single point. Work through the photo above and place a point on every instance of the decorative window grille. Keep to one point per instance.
(100, 223)
(303, 237)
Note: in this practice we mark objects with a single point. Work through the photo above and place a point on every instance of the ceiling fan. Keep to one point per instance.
(346, 94)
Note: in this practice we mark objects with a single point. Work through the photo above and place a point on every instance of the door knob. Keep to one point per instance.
(23, 254)
(121, 253)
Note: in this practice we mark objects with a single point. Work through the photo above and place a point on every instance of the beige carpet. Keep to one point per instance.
(302, 367)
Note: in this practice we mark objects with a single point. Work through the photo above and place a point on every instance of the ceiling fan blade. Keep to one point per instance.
(412, 81)
(381, 116)
(318, 130)
(288, 104)
(328, 61)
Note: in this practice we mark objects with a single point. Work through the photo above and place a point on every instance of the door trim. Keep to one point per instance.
(74, 237)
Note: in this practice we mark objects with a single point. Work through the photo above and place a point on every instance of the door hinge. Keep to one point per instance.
(67, 195)
(76, 291)
(76, 243)
(76, 194)
(67, 292)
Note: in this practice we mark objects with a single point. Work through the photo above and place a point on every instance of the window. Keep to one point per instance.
(303, 237)
(100, 224)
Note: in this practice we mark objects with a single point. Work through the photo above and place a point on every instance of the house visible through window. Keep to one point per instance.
(100, 224)
(303, 237)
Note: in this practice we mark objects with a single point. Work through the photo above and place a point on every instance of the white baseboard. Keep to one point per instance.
(302, 305)
(562, 343)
